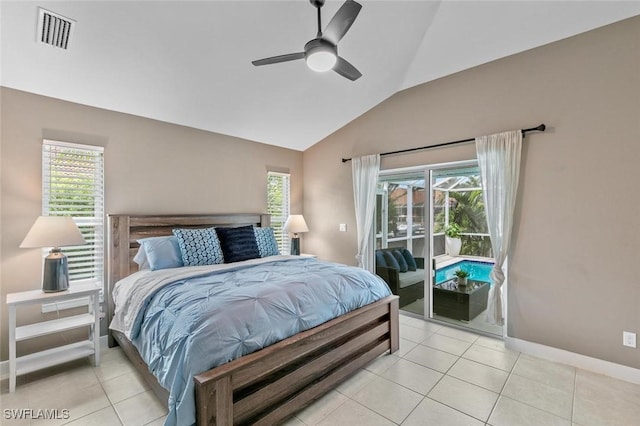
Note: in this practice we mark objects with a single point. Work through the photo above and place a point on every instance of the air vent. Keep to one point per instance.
(54, 30)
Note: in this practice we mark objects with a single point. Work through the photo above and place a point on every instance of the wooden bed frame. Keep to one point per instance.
(269, 385)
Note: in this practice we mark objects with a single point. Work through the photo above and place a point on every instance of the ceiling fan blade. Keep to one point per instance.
(346, 70)
(342, 21)
(276, 59)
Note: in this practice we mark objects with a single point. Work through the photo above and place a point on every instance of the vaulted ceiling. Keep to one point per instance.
(189, 63)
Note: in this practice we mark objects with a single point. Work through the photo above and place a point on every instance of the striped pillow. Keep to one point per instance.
(238, 243)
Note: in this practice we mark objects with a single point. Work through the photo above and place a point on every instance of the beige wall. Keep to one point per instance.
(574, 282)
(150, 167)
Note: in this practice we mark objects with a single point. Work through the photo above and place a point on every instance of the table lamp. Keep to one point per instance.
(56, 232)
(295, 224)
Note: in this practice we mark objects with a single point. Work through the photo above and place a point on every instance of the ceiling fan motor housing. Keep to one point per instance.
(320, 54)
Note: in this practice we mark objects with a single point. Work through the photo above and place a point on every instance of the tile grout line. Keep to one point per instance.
(326, 415)
(423, 396)
(528, 404)
(384, 378)
(446, 374)
(500, 395)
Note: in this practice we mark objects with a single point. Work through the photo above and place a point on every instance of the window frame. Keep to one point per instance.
(86, 263)
(280, 213)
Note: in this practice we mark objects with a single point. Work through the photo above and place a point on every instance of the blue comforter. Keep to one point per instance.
(194, 324)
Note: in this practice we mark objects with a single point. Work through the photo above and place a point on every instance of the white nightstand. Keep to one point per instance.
(36, 361)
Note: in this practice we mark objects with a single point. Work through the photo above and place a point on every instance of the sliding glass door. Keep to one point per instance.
(461, 257)
(400, 237)
(434, 217)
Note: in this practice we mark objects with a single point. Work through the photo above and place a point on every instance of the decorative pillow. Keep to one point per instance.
(162, 252)
(238, 243)
(391, 261)
(401, 262)
(266, 241)
(141, 259)
(380, 259)
(411, 261)
(199, 246)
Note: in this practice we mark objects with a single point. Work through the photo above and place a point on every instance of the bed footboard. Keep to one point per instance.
(270, 385)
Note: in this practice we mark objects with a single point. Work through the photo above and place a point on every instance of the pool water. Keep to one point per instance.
(478, 271)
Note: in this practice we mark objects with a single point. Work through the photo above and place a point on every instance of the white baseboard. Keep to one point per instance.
(4, 365)
(617, 371)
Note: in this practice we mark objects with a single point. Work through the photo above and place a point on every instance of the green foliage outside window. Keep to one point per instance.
(73, 181)
(466, 210)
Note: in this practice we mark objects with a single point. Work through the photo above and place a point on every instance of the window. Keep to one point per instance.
(278, 207)
(73, 185)
(400, 212)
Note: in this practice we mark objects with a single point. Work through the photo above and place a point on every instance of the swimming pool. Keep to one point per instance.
(478, 270)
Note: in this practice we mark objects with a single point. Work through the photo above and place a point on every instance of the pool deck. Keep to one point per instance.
(446, 260)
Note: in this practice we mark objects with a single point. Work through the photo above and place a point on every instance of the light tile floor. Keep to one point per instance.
(440, 376)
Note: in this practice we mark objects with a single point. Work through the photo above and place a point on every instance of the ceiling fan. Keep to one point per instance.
(321, 53)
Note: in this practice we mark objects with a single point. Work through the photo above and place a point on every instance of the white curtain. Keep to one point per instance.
(365, 179)
(499, 161)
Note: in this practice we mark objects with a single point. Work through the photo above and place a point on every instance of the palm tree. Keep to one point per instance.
(467, 210)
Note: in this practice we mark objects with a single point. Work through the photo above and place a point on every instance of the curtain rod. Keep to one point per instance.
(540, 128)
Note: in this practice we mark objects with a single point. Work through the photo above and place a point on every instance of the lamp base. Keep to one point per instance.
(56, 272)
(295, 246)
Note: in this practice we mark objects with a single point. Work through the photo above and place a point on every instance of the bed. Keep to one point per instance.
(270, 384)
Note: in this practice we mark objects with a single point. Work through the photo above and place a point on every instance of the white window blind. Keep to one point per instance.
(73, 185)
(278, 207)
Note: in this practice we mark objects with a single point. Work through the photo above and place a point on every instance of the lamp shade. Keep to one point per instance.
(53, 231)
(295, 224)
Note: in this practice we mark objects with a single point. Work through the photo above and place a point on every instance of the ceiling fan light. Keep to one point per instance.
(321, 60)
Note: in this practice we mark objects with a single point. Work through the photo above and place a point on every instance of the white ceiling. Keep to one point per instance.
(189, 63)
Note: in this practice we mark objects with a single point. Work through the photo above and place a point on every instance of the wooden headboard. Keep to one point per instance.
(126, 230)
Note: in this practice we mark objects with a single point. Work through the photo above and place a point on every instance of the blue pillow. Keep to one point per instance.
(411, 261)
(400, 259)
(199, 246)
(162, 252)
(266, 241)
(238, 243)
(380, 259)
(141, 259)
(391, 261)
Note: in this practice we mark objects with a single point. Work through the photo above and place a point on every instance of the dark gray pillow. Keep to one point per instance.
(400, 259)
(238, 243)
(411, 261)
(391, 261)
(380, 258)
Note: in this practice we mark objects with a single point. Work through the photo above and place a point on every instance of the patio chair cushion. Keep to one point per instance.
(411, 261)
(380, 259)
(411, 278)
(400, 259)
(391, 260)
